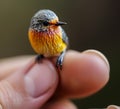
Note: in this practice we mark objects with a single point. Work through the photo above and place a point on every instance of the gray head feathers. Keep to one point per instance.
(45, 14)
(41, 19)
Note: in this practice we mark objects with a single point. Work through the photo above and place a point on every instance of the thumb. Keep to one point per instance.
(30, 87)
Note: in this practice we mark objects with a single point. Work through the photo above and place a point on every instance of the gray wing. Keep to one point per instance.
(65, 38)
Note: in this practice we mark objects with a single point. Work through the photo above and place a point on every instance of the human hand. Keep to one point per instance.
(28, 85)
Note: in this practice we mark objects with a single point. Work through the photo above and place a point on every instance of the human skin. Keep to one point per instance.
(26, 84)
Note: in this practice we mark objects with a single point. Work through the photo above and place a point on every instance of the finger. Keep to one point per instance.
(60, 104)
(30, 86)
(83, 74)
(73, 60)
(113, 107)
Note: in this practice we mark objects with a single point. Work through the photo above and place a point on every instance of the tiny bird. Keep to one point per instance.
(47, 37)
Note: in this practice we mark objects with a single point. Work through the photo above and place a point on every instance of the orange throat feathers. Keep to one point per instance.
(48, 43)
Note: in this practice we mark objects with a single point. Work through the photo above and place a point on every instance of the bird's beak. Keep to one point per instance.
(60, 23)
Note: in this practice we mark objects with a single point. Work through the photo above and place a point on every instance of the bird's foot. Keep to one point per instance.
(59, 63)
(39, 58)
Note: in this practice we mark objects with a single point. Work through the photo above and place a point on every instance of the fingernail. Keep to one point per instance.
(99, 54)
(113, 107)
(40, 78)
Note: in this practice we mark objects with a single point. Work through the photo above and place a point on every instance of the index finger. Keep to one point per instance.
(83, 74)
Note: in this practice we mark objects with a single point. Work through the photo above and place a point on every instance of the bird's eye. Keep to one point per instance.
(45, 23)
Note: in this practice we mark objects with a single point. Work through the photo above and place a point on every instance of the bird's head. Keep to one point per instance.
(44, 20)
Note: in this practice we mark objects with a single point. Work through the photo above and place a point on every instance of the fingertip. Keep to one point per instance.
(83, 73)
(101, 62)
(60, 104)
(113, 107)
(100, 55)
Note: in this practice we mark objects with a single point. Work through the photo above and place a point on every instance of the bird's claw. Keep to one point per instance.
(38, 58)
(59, 63)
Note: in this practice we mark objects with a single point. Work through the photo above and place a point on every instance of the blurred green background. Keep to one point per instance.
(92, 24)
